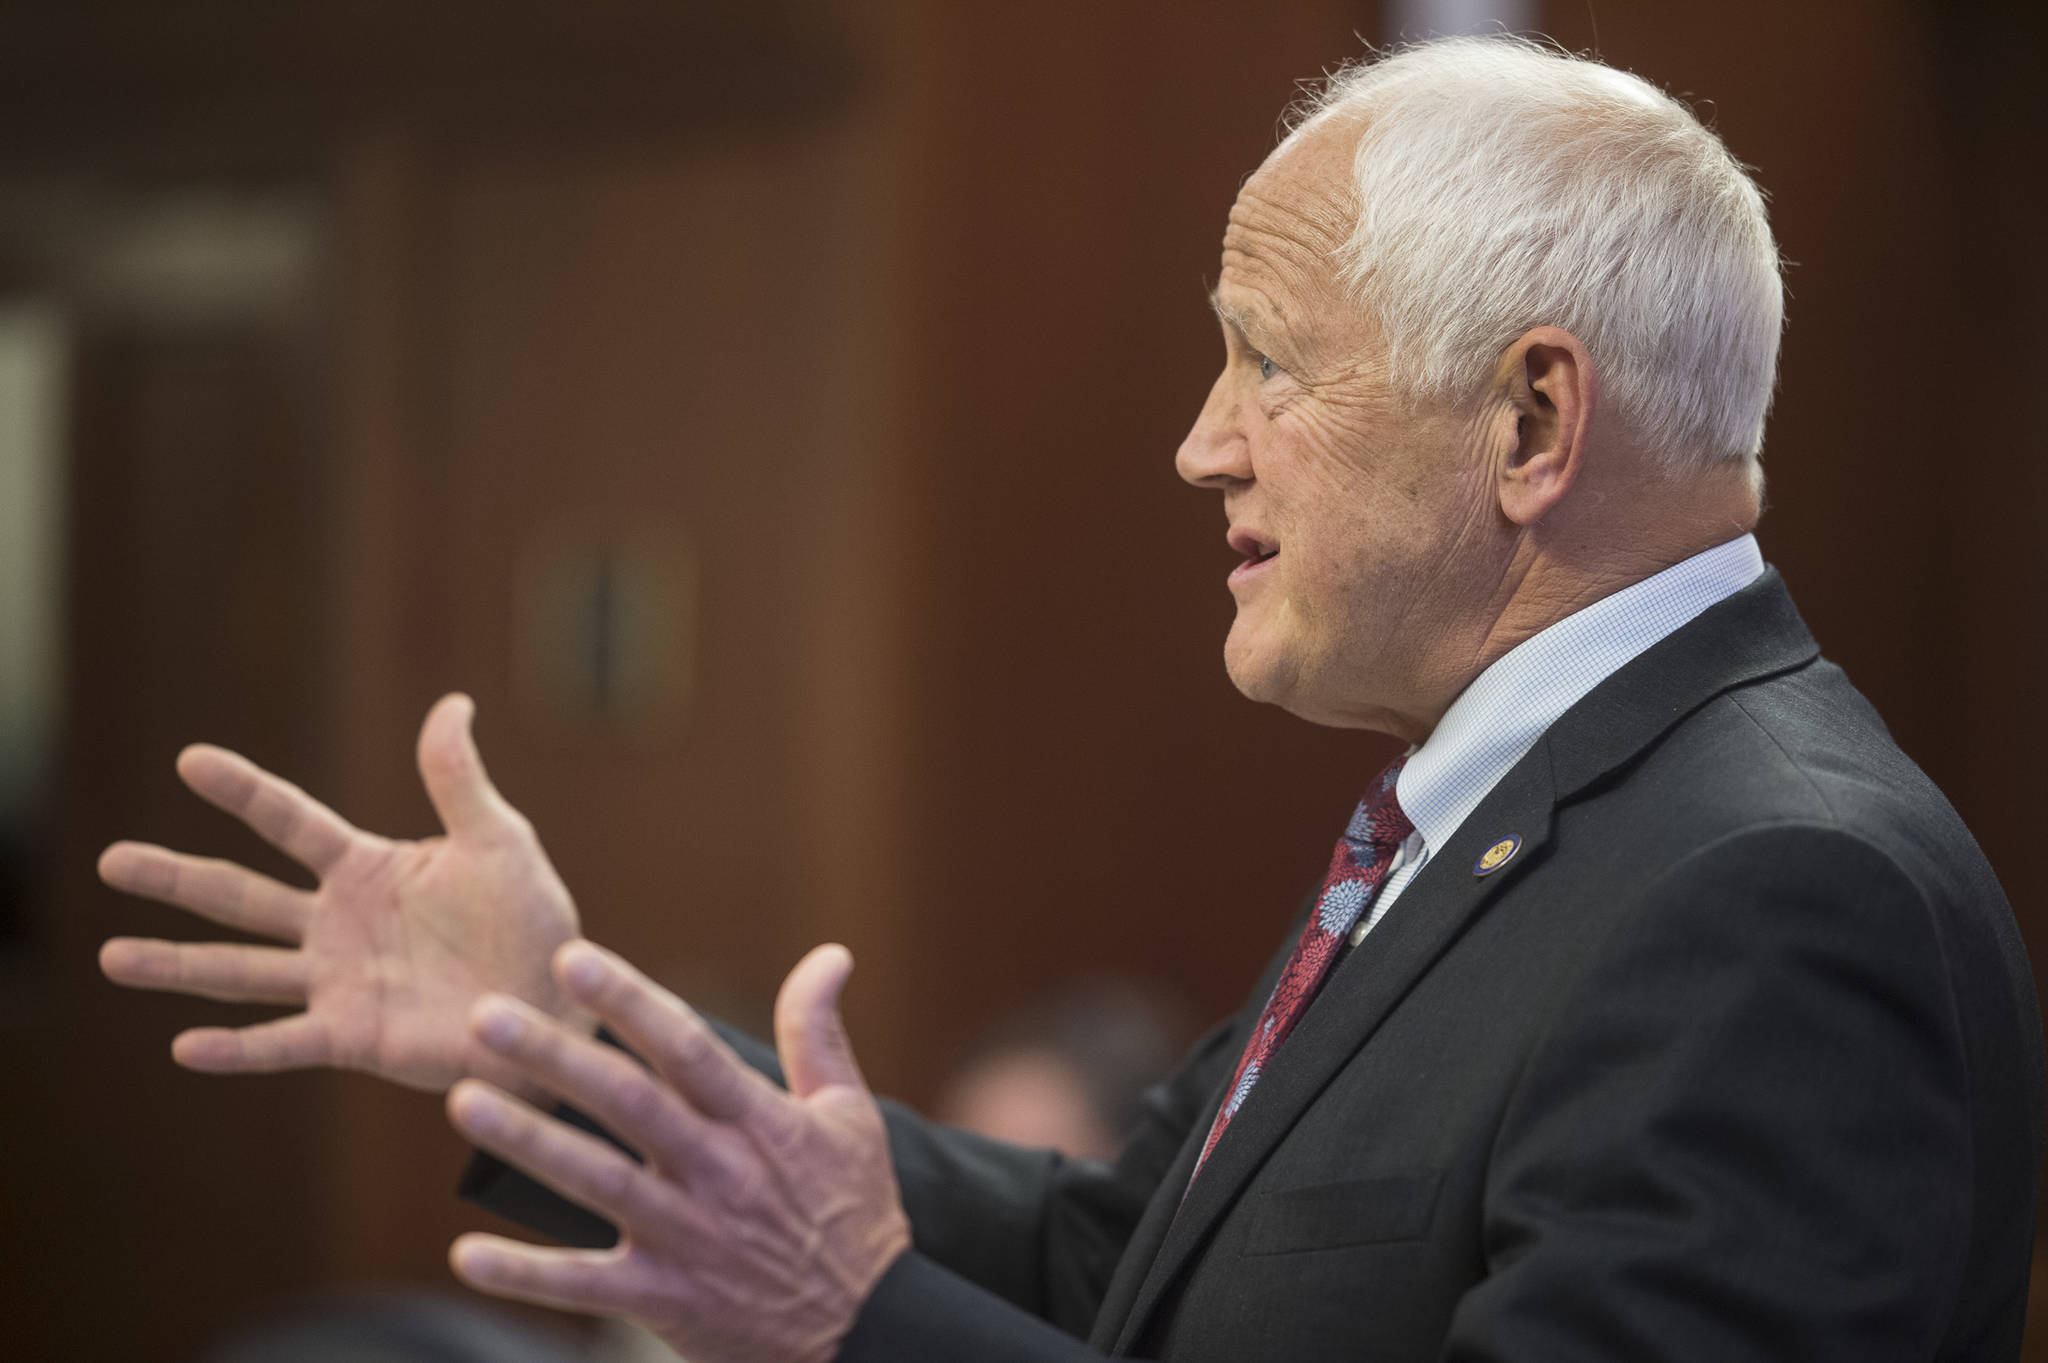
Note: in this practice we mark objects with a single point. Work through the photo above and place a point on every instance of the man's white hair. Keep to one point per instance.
(1504, 185)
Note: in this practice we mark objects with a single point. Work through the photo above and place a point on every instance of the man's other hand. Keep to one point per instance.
(389, 954)
(760, 1221)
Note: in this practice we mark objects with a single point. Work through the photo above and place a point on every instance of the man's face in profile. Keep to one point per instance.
(1354, 512)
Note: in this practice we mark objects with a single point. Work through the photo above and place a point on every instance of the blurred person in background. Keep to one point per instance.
(1067, 1073)
(1654, 1004)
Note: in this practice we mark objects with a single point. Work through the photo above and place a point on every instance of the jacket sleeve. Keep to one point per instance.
(992, 1223)
(1014, 1248)
(1748, 1137)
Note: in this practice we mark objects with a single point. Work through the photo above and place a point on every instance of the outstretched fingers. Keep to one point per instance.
(453, 771)
(677, 1042)
(279, 812)
(219, 891)
(227, 971)
(810, 1038)
(601, 1080)
(586, 1170)
(294, 1043)
(585, 1280)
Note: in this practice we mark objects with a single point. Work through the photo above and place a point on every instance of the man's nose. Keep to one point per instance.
(1215, 452)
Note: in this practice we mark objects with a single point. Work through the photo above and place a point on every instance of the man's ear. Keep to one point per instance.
(1552, 390)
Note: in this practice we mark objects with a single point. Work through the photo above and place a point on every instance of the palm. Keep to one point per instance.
(387, 956)
(413, 933)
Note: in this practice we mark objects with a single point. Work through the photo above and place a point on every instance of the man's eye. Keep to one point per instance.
(1267, 369)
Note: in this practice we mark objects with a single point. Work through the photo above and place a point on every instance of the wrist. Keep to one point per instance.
(889, 1243)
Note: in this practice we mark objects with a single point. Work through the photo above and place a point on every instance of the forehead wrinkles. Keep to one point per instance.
(1279, 246)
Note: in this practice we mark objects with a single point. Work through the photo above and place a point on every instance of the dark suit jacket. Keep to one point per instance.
(1737, 1058)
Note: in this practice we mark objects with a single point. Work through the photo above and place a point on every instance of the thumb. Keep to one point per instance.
(809, 1036)
(453, 770)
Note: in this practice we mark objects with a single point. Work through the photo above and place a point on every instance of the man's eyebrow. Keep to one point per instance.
(1231, 314)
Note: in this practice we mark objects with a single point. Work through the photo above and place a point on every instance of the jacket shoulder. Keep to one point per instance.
(1804, 749)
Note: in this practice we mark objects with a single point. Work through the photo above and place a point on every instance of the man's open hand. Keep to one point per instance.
(761, 1219)
(388, 955)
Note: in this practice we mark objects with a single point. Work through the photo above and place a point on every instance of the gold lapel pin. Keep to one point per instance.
(1497, 856)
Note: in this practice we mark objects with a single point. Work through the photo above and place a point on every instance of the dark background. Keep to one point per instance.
(766, 411)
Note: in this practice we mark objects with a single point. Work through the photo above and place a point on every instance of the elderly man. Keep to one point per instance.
(1654, 1004)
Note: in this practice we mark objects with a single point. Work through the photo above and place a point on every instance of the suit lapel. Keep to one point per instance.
(1755, 633)
(1431, 912)
(1137, 1269)
(1143, 1249)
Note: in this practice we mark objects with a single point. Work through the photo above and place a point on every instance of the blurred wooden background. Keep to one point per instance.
(767, 411)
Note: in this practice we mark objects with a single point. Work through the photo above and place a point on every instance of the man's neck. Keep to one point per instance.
(1541, 586)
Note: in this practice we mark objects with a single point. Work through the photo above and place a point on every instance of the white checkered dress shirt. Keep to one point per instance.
(1499, 717)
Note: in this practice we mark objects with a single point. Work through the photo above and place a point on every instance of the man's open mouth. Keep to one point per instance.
(1255, 548)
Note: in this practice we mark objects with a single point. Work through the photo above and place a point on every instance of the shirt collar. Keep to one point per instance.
(1506, 708)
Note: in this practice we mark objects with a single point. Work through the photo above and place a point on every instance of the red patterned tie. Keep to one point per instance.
(1357, 868)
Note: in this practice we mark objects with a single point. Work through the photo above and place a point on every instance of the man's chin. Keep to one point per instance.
(1255, 672)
